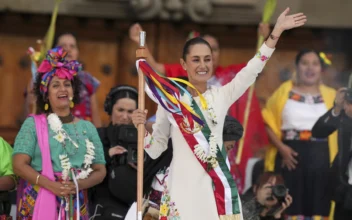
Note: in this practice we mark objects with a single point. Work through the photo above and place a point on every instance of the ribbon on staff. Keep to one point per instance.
(166, 92)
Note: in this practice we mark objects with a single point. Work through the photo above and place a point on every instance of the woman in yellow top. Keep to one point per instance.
(290, 114)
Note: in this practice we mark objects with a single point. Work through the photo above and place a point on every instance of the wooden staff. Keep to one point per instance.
(140, 54)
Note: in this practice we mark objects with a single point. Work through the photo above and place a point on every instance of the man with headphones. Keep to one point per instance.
(112, 198)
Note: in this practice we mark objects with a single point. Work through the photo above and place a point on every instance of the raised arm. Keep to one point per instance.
(155, 143)
(326, 124)
(285, 22)
(246, 77)
(134, 36)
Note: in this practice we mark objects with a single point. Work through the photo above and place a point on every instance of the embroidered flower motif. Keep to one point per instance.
(261, 57)
(305, 135)
(168, 208)
(164, 209)
(151, 141)
(291, 135)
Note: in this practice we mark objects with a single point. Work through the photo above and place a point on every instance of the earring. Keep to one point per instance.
(72, 104)
(46, 106)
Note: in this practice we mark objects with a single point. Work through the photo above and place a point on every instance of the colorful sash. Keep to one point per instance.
(164, 93)
(45, 204)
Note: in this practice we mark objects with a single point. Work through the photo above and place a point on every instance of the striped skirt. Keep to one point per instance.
(27, 194)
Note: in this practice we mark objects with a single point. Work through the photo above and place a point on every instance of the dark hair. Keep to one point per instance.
(304, 52)
(119, 92)
(43, 99)
(57, 37)
(233, 130)
(266, 176)
(191, 42)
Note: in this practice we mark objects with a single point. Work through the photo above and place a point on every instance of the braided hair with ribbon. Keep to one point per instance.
(55, 64)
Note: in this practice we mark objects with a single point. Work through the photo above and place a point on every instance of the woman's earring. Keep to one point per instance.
(72, 104)
(46, 106)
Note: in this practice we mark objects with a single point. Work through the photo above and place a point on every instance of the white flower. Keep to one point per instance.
(66, 166)
(60, 137)
(54, 122)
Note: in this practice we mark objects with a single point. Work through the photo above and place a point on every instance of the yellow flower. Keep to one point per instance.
(164, 210)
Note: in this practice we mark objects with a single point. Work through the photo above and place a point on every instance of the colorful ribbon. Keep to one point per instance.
(167, 92)
(56, 65)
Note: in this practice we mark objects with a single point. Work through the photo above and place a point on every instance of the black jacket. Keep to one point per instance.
(119, 188)
(326, 125)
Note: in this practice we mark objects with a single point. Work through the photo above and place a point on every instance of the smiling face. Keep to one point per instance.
(59, 93)
(198, 63)
(309, 69)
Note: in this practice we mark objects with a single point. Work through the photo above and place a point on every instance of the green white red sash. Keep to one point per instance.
(163, 91)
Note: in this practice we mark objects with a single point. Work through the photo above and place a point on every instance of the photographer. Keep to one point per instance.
(112, 198)
(339, 118)
(267, 199)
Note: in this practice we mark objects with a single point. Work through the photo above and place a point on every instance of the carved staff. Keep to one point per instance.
(140, 54)
(268, 12)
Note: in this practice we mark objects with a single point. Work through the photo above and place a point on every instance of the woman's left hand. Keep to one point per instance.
(286, 22)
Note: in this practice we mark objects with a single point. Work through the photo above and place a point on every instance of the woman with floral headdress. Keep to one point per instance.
(199, 184)
(57, 155)
(290, 114)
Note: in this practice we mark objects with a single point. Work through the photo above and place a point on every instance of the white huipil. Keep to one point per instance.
(189, 185)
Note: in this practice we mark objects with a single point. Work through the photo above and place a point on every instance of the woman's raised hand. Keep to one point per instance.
(286, 21)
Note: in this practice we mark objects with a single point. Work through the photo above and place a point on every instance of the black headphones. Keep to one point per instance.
(113, 91)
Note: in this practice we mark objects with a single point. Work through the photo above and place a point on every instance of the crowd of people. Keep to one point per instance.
(65, 165)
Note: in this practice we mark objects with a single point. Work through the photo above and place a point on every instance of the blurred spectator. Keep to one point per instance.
(303, 160)
(7, 179)
(340, 118)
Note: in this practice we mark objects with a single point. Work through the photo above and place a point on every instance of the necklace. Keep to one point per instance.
(66, 119)
(61, 136)
(210, 157)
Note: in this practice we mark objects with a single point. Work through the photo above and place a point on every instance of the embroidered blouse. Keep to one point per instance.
(302, 111)
(26, 143)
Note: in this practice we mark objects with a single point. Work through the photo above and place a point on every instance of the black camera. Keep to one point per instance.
(279, 193)
(125, 136)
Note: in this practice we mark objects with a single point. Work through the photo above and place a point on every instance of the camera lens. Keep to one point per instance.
(279, 191)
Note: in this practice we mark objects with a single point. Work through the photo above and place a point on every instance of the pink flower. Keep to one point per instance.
(263, 58)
